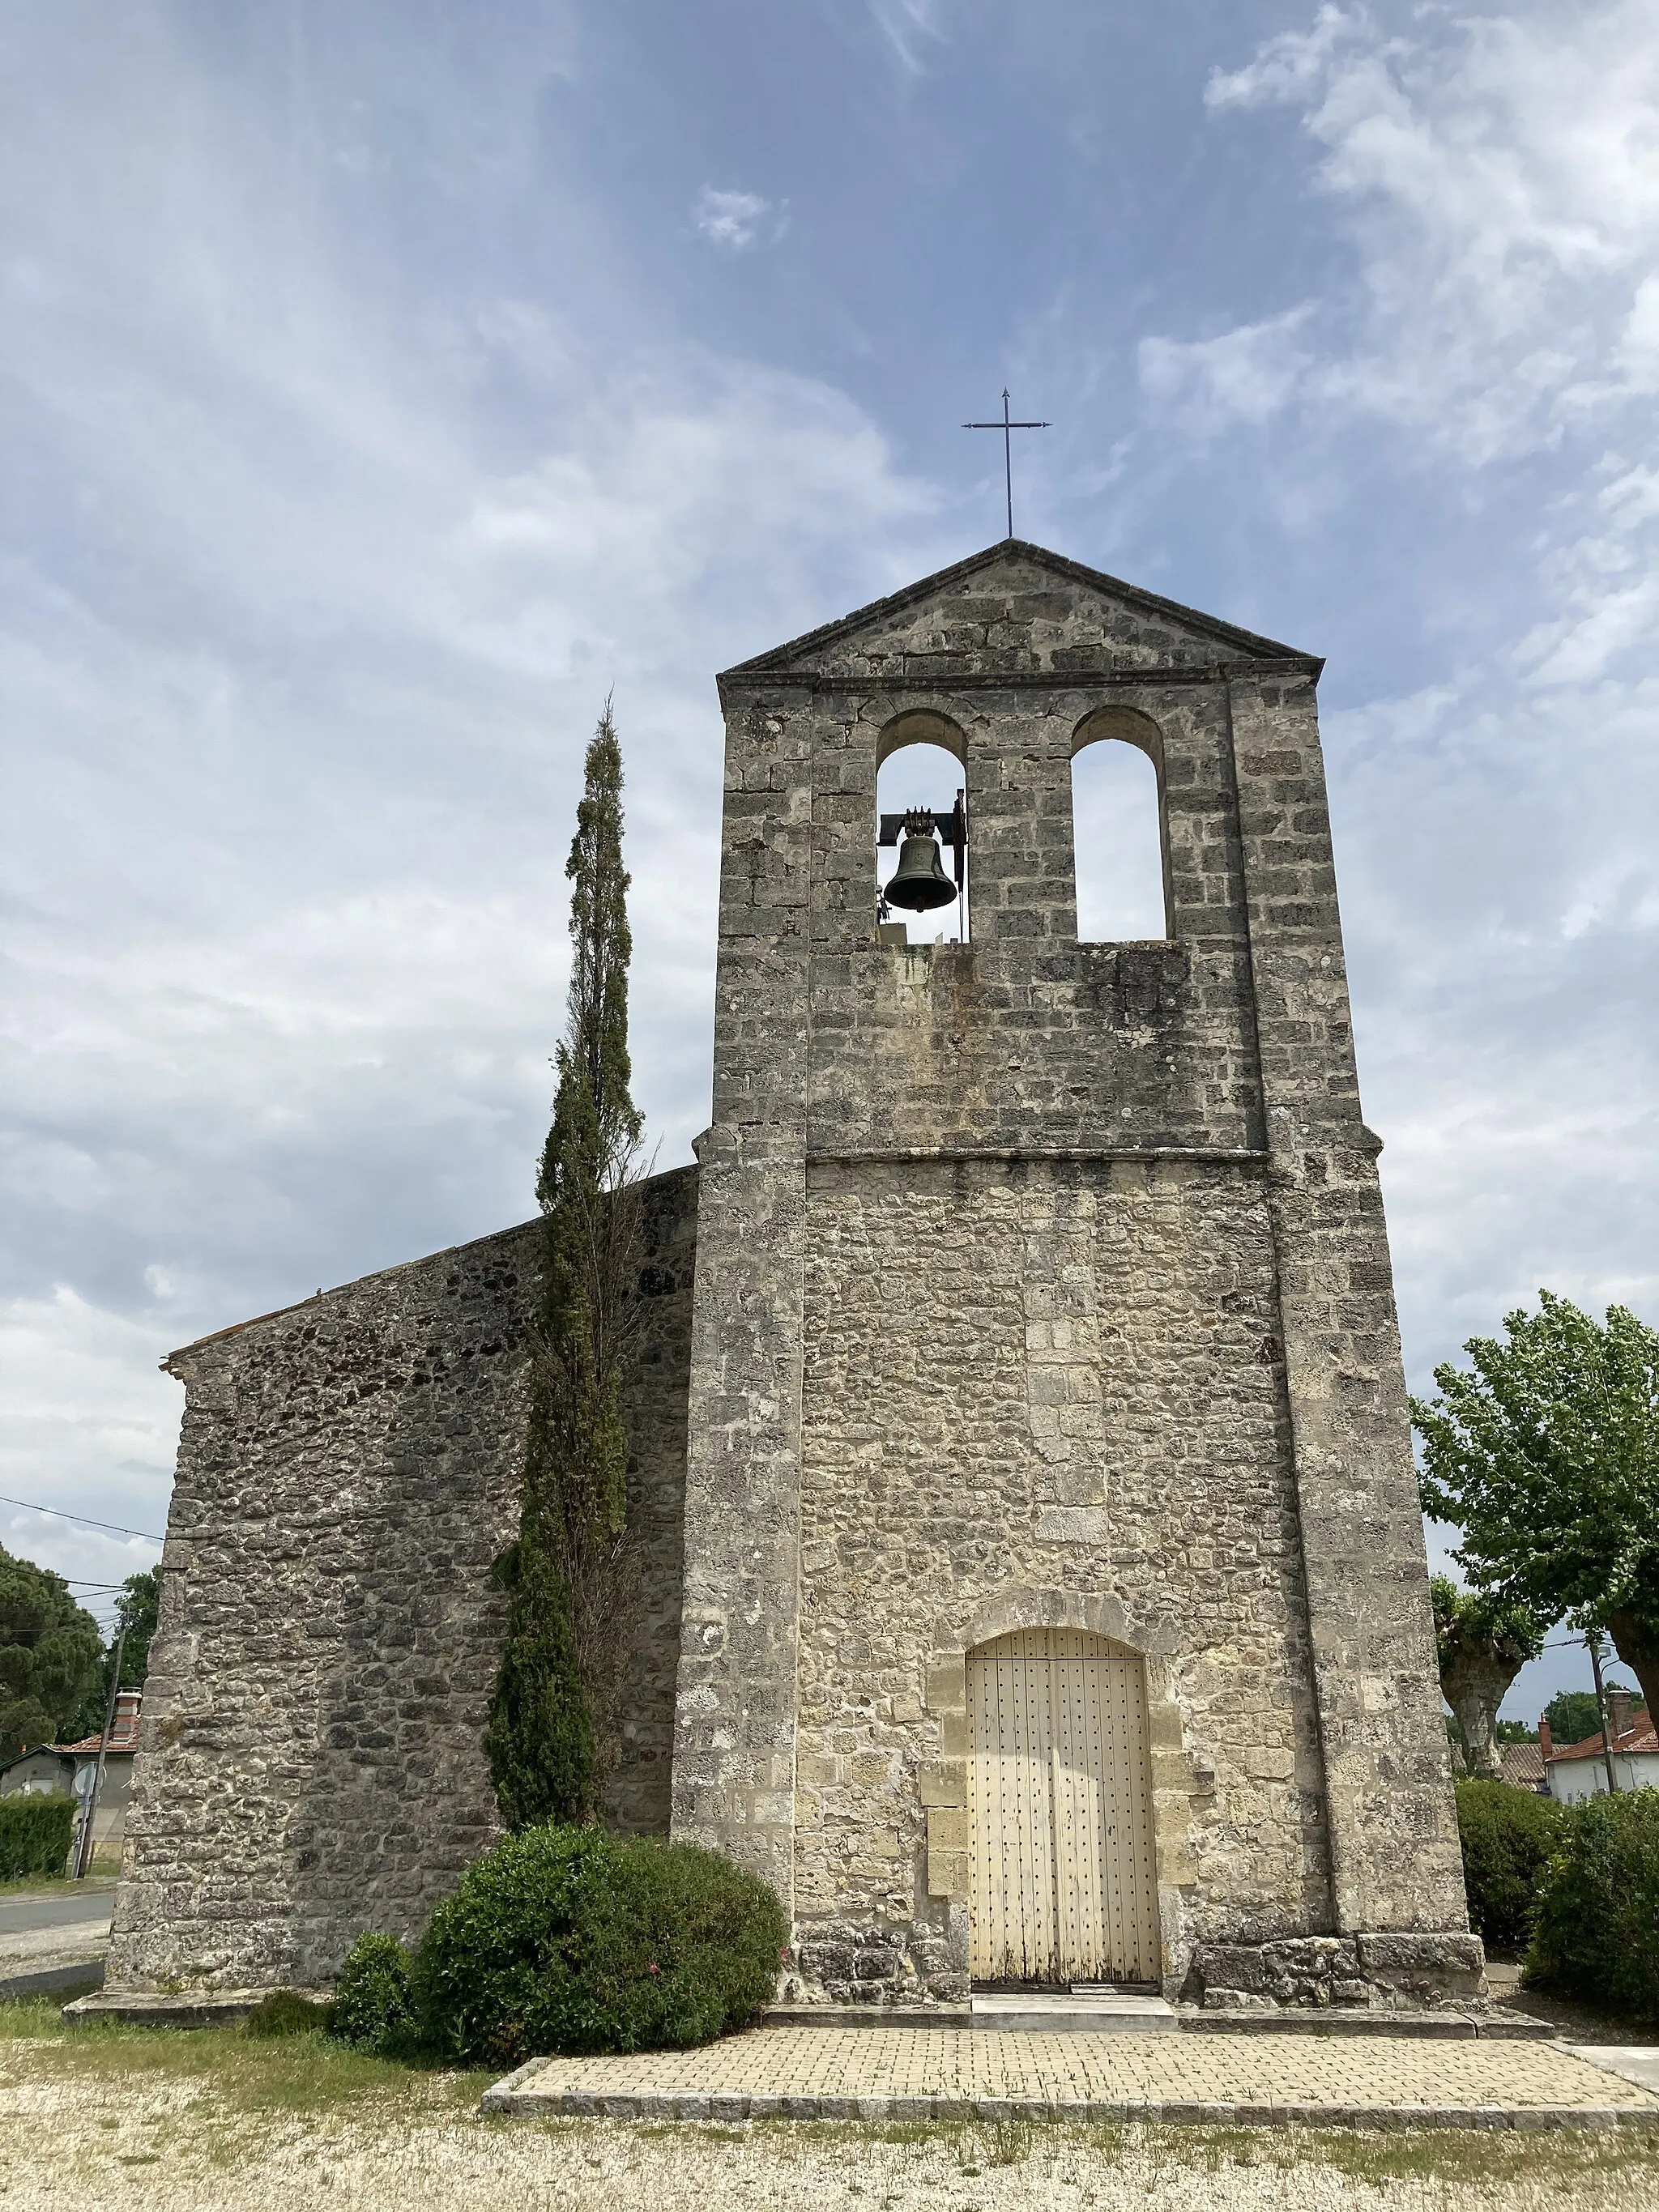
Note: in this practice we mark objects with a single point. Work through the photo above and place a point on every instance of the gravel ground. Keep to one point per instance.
(133, 2142)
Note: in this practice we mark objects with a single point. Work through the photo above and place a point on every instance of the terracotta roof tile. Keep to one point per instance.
(124, 1734)
(1522, 1764)
(1639, 1737)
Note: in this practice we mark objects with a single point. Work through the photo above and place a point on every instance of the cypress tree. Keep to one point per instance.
(568, 1572)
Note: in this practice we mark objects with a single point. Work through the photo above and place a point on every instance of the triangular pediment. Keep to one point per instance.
(1017, 610)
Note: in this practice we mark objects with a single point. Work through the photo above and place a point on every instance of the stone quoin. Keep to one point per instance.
(1019, 1442)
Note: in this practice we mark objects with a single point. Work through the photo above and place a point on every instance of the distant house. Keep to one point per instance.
(67, 1770)
(1579, 1770)
(39, 1771)
(1522, 1764)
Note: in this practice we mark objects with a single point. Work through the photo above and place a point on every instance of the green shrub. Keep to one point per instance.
(285, 2012)
(565, 1938)
(34, 1835)
(1596, 1934)
(373, 2003)
(1508, 1835)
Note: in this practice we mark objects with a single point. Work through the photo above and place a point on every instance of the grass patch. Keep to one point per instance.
(1469, 2155)
(26, 1885)
(1472, 2156)
(242, 2074)
(220, 2097)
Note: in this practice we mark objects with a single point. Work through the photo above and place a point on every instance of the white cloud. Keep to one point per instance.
(1500, 894)
(1499, 177)
(1244, 374)
(909, 27)
(87, 1423)
(300, 644)
(730, 219)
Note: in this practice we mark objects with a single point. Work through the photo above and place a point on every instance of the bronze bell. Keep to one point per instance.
(919, 881)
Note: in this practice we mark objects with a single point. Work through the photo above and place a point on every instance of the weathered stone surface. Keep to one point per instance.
(1038, 1284)
(1053, 1291)
(310, 1764)
(1389, 1971)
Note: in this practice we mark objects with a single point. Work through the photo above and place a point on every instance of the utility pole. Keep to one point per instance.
(83, 1856)
(1593, 1641)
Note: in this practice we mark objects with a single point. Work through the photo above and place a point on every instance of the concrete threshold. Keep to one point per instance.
(1104, 2012)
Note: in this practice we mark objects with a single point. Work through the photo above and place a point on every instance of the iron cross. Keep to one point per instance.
(1006, 427)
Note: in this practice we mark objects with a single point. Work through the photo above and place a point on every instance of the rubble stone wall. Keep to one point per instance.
(310, 1762)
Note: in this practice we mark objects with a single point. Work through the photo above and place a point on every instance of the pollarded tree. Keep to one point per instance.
(569, 1571)
(1482, 1645)
(1545, 1454)
(50, 1653)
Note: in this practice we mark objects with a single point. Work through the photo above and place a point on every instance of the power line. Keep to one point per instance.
(82, 1522)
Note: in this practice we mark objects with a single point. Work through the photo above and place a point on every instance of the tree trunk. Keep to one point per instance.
(1637, 1645)
(1474, 1682)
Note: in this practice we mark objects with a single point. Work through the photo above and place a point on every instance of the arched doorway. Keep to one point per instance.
(1060, 1799)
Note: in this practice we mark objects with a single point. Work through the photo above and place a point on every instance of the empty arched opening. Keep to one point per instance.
(1117, 827)
(919, 768)
(1064, 1886)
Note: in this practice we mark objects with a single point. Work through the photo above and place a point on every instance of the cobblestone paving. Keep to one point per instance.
(919, 2073)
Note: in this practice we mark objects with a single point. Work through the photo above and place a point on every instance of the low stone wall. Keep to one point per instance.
(1393, 1973)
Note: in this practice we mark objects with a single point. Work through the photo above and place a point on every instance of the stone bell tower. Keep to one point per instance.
(1055, 1596)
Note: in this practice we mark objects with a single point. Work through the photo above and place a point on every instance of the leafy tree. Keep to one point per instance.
(1514, 1732)
(1572, 1715)
(50, 1649)
(1545, 1454)
(548, 1732)
(137, 1608)
(1482, 1645)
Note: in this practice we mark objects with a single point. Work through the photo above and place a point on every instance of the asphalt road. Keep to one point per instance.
(76, 1904)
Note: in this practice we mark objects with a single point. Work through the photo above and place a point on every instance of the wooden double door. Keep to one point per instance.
(1060, 1791)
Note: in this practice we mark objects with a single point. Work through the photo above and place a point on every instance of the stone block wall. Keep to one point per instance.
(310, 1760)
(1159, 1138)
(1046, 1394)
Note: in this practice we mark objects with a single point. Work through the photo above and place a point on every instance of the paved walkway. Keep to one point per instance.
(873, 2073)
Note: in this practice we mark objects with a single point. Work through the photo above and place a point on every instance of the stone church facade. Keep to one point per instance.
(1035, 1587)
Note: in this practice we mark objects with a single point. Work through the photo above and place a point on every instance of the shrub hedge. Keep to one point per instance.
(1507, 1836)
(34, 1835)
(566, 1939)
(1597, 1932)
(374, 1998)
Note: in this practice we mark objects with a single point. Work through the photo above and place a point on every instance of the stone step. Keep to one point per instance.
(1058, 2012)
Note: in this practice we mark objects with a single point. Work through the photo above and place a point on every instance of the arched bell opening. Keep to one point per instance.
(1120, 837)
(921, 830)
(1061, 1822)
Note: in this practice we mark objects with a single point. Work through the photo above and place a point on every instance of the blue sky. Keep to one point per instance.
(382, 385)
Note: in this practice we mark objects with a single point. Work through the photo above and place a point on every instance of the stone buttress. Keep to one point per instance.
(1044, 1284)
